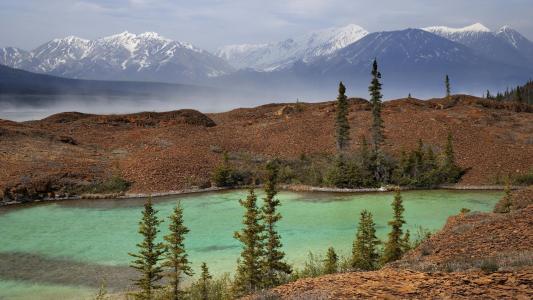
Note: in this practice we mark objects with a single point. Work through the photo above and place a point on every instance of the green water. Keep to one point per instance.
(59, 247)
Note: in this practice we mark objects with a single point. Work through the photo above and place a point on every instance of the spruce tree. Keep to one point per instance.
(447, 84)
(449, 154)
(364, 252)
(331, 262)
(150, 253)
(249, 275)
(519, 98)
(375, 100)
(274, 266)
(204, 282)
(342, 126)
(394, 246)
(176, 261)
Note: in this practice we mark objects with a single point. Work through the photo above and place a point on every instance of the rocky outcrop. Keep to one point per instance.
(405, 284)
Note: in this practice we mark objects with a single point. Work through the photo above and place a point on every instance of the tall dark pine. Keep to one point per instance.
(447, 84)
(274, 266)
(249, 275)
(150, 253)
(176, 261)
(342, 126)
(376, 96)
(395, 244)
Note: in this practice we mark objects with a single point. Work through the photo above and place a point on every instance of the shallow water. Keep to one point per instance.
(66, 249)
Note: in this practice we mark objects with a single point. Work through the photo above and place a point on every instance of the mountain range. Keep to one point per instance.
(124, 56)
(411, 60)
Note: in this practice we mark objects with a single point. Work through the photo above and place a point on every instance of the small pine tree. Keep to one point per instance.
(376, 96)
(342, 126)
(205, 280)
(506, 202)
(249, 275)
(394, 246)
(364, 251)
(176, 260)
(274, 266)
(150, 253)
(447, 84)
(331, 262)
(223, 175)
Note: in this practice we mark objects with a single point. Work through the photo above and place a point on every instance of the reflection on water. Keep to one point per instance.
(78, 243)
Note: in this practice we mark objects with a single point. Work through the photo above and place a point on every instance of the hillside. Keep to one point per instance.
(159, 152)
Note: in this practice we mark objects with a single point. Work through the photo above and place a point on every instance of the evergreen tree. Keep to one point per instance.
(274, 266)
(176, 260)
(223, 176)
(395, 245)
(367, 170)
(489, 96)
(249, 275)
(449, 154)
(331, 262)
(204, 282)
(447, 84)
(364, 252)
(506, 202)
(150, 253)
(519, 95)
(376, 96)
(342, 125)
(450, 171)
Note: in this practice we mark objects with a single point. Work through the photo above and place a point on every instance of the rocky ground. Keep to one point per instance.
(159, 152)
(406, 284)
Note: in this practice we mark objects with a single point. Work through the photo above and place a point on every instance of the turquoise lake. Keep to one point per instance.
(65, 250)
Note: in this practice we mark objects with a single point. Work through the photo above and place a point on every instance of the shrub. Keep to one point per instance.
(524, 179)
(114, 184)
(489, 266)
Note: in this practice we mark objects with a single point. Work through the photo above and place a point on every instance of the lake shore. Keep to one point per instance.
(286, 187)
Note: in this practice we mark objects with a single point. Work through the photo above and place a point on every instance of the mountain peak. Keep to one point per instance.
(152, 35)
(70, 39)
(477, 27)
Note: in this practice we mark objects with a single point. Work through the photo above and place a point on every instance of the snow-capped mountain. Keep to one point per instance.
(411, 61)
(267, 57)
(124, 56)
(482, 40)
(517, 41)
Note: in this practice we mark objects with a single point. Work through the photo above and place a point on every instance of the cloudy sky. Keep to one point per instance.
(212, 23)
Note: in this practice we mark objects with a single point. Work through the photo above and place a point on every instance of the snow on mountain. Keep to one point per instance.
(482, 40)
(267, 57)
(124, 56)
(516, 40)
(444, 30)
(11, 56)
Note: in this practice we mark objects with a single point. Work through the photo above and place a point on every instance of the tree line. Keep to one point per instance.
(519, 94)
